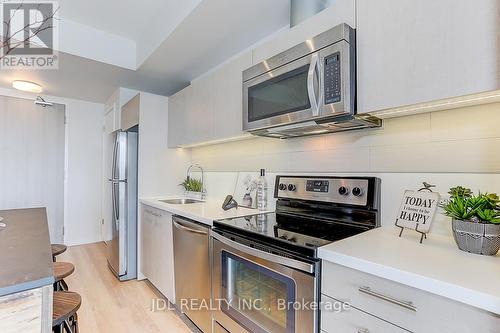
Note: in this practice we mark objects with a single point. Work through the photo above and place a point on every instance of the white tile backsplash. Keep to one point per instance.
(445, 148)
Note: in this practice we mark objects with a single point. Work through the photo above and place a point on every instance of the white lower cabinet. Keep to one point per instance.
(381, 305)
(354, 321)
(157, 252)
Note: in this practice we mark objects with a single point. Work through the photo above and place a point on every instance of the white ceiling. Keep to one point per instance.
(208, 35)
(126, 18)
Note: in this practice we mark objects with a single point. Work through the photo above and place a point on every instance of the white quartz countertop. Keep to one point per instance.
(205, 212)
(436, 266)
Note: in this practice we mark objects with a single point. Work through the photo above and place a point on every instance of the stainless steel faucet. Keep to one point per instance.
(196, 165)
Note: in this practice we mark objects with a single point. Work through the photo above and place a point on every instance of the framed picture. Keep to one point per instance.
(417, 210)
(245, 192)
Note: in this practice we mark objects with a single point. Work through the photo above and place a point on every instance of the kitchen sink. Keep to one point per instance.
(180, 201)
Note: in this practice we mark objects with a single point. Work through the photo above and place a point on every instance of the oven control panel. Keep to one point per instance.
(350, 191)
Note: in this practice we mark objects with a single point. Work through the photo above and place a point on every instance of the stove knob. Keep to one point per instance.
(292, 187)
(357, 192)
(293, 240)
(343, 190)
(282, 187)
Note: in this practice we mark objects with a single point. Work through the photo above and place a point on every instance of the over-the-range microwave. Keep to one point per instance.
(305, 90)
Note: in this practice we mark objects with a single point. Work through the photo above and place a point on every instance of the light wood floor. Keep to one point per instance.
(110, 306)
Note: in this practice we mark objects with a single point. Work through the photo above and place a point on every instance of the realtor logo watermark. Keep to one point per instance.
(245, 305)
(29, 35)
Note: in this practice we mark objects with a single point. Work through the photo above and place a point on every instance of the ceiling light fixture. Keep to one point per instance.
(27, 86)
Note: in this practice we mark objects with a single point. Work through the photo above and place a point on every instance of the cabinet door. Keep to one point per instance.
(109, 119)
(178, 118)
(200, 126)
(164, 255)
(157, 254)
(147, 220)
(418, 51)
(228, 100)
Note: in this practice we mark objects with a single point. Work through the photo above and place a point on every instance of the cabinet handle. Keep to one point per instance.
(194, 231)
(404, 304)
(363, 330)
(150, 212)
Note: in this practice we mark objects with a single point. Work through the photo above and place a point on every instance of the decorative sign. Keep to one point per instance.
(417, 211)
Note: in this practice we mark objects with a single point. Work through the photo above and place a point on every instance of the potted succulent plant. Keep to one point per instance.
(475, 220)
(193, 188)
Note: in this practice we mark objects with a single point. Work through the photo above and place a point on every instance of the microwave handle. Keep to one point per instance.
(310, 84)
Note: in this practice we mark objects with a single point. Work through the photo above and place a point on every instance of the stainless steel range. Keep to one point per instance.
(265, 267)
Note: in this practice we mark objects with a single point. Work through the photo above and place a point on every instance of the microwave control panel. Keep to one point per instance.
(332, 78)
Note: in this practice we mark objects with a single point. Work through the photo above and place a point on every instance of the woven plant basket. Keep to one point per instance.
(478, 238)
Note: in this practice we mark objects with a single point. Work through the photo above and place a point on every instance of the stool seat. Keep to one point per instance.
(62, 270)
(66, 303)
(57, 249)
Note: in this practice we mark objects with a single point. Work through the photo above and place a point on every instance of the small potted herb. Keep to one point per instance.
(475, 220)
(193, 187)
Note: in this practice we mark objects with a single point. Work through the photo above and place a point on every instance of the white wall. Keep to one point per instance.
(84, 172)
(161, 169)
(82, 214)
(444, 148)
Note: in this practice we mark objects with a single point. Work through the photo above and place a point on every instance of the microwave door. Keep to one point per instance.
(282, 96)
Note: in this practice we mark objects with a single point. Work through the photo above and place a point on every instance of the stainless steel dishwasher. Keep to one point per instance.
(192, 271)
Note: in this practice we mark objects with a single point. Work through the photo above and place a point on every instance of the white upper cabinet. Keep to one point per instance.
(418, 51)
(228, 99)
(200, 111)
(110, 115)
(112, 108)
(178, 118)
(210, 108)
(340, 11)
(190, 114)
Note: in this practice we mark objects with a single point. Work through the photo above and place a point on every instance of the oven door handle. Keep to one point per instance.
(292, 263)
(311, 74)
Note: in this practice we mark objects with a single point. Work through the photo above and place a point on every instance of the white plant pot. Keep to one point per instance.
(195, 195)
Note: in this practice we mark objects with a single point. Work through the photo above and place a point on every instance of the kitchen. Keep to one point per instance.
(255, 171)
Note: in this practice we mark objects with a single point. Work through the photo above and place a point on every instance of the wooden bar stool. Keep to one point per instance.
(57, 249)
(64, 317)
(61, 271)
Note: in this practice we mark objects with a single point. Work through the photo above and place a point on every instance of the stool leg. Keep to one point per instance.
(75, 323)
(70, 325)
(63, 285)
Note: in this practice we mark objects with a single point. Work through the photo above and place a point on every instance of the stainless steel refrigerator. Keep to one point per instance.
(122, 249)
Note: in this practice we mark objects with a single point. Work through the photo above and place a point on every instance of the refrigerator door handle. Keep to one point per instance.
(116, 213)
(114, 181)
(113, 201)
(115, 151)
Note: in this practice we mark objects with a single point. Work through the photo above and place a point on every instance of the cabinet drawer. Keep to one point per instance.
(385, 299)
(354, 321)
(410, 308)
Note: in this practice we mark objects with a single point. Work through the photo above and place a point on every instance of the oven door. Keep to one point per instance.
(258, 292)
(285, 95)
